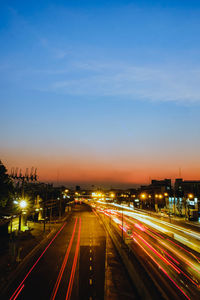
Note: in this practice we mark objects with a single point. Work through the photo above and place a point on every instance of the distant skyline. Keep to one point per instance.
(101, 92)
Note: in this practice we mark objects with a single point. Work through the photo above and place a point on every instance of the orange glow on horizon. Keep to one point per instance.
(90, 170)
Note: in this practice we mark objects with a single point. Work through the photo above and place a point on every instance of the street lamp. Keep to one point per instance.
(22, 205)
(150, 201)
(143, 197)
(190, 196)
(156, 202)
(112, 195)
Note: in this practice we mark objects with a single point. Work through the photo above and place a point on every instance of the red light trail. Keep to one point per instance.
(71, 281)
(19, 291)
(63, 264)
(15, 294)
(162, 269)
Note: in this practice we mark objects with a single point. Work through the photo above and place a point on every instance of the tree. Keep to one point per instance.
(6, 186)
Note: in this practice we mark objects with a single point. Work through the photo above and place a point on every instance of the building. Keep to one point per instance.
(187, 196)
(155, 196)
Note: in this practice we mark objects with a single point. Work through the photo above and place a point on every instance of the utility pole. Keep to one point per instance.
(26, 177)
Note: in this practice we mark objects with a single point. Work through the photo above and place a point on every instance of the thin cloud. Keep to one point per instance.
(155, 84)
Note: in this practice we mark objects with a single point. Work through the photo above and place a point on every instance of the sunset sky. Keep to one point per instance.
(100, 92)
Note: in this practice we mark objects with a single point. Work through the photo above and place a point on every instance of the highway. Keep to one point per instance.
(72, 264)
(169, 253)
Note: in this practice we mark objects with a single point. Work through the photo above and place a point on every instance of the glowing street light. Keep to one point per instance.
(143, 196)
(190, 196)
(23, 204)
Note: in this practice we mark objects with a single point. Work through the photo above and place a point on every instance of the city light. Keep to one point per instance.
(143, 196)
(22, 204)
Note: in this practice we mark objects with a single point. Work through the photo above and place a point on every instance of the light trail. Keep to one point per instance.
(178, 267)
(161, 249)
(71, 281)
(158, 254)
(63, 264)
(149, 229)
(19, 291)
(191, 265)
(196, 257)
(185, 250)
(145, 215)
(154, 232)
(140, 227)
(188, 263)
(31, 269)
(161, 268)
(148, 220)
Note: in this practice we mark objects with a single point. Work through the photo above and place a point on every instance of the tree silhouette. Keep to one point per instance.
(6, 186)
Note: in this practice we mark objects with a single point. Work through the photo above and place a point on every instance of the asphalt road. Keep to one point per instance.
(71, 265)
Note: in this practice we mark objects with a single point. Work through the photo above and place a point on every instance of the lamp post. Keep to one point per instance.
(156, 202)
(142, 197)
(190, 197)
(150, 201)
(22, 205)
(166, 197)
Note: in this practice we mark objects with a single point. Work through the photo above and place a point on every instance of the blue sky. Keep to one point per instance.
(103, 84)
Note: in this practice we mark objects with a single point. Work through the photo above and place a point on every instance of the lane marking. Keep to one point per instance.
(71, 281)
(90, 281)
(13, 295)
(55, 289)
(90, 268)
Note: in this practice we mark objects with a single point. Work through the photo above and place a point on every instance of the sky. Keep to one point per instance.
(100, 92)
